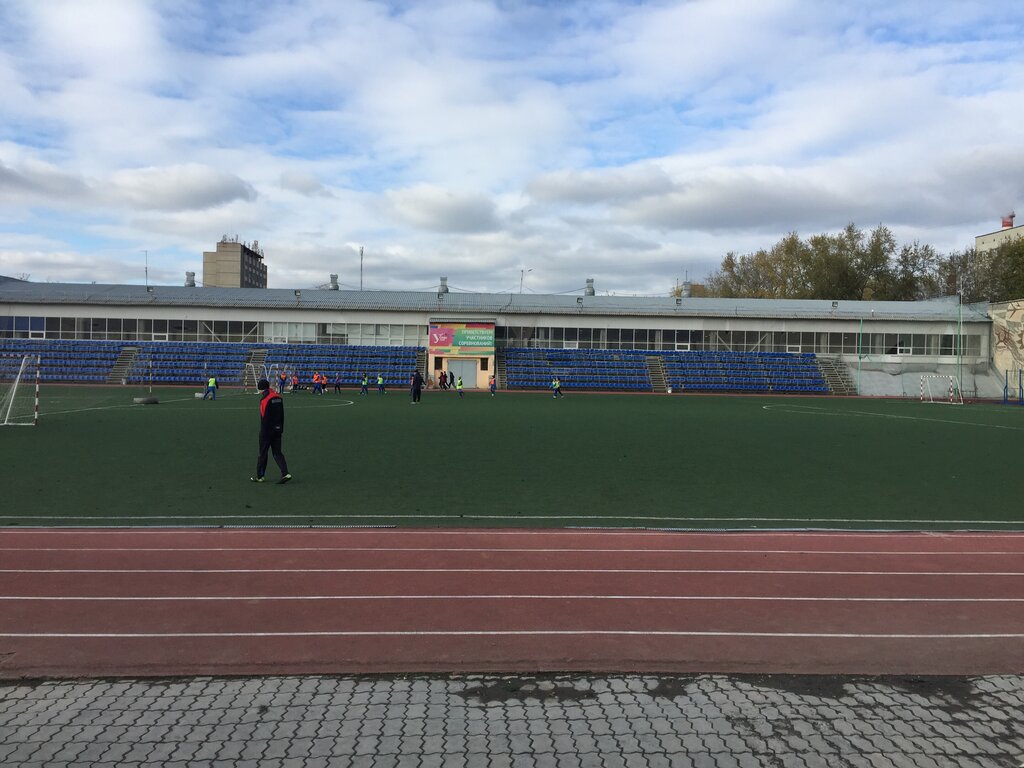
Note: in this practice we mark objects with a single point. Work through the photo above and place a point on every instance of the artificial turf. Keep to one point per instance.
(518, 459)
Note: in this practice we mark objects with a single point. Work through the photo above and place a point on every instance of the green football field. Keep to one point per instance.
(516, 460)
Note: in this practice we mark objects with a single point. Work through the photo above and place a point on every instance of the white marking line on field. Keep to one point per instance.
(512, 633)
(600, 518)
(103, 407)
(768, 534)
(117, 406)
(47, 414)
(513, 550)
(641, 571)
(316, 598)
(819, 411)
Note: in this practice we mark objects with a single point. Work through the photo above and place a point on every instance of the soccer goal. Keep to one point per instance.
(252, 373)
(936, 388)
(19, 391)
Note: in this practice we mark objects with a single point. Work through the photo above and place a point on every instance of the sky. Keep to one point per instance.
(509, 146)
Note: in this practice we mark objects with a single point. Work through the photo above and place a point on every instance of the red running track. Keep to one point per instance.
(112, 602)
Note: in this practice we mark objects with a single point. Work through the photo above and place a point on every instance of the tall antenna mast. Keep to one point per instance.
(360, 267)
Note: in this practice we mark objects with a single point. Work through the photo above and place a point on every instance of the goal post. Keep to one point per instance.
(19, 391)
(251, 376)
(252, 373)
(938, 388)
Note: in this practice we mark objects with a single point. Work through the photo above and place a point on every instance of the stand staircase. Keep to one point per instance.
(836, 375)
(421, 363)
(250, 375)
(656, 370)
(499, 368)
(119, 371)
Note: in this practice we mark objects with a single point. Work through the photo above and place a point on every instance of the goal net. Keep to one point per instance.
(252, 373)
(936, 388)
(19, 390)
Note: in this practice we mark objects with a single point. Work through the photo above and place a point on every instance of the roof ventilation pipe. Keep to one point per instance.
(1008, 220)
(333, 284)
(444, 285)
(589, 290)
(190, 279)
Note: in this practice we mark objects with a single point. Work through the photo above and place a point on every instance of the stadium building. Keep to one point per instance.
(599, 342)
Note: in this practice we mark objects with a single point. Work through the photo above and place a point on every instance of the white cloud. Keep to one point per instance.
(68, 266)
(178, 187)
(440, 210)
(624, 141)
(168, 188)
(113, 40)
(36, 180)
(593, 187)
(303, 183)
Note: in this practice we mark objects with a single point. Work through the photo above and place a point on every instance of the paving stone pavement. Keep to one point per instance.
(505, 721)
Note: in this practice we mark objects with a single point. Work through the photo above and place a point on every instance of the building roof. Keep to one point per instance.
(1017, 230)
(485, 304)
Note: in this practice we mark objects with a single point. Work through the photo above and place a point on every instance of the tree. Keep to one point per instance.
(997, 275)
(914, 274)
(874, 258)
(831, 268)
(965, 273)
(1010, 276)
(846, 265)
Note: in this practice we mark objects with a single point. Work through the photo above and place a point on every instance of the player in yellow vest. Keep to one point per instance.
(211, 388)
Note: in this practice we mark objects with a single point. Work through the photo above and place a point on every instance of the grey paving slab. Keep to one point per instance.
(634, 721)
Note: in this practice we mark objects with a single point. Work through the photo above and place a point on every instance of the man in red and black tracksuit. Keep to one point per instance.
(271, 431)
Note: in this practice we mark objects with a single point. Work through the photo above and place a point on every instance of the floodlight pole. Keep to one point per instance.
(860, 352)
(146, 252)
(960, 340)
(522, 274)
(360, 267)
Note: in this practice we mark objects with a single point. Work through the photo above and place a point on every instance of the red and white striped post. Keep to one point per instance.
(35, 413)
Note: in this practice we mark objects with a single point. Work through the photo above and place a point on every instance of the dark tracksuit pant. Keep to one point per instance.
(270, 442)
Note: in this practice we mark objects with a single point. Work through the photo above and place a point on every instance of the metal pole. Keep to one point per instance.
(960, 342)
(860, 352)
(17, 380)
(35, 413)
(360, 267)
(522, 274)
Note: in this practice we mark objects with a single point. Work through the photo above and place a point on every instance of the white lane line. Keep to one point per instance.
(642, 571)
(513, 550)
(512, 633)
(631, 518)
(299, 598)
